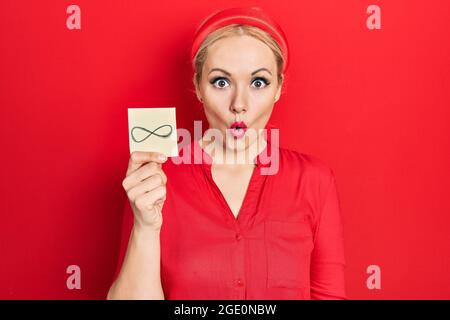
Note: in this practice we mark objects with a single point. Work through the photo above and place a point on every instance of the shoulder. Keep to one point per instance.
(315, 176)
(306, 163)
(305, 171)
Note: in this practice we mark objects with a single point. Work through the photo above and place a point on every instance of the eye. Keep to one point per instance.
(260, 82)
(219, 82)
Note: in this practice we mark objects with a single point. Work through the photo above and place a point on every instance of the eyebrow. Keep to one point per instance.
(229, 74)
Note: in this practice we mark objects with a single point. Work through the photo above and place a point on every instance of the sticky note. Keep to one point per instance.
(153, 129)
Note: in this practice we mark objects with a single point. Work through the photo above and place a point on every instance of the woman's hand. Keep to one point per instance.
(145, 184)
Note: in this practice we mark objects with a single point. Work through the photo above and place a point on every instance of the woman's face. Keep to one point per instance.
(239, 83)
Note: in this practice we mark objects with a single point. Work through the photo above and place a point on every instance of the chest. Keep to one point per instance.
(233, 184)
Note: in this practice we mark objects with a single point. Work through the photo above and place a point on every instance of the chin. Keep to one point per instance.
(237, 144)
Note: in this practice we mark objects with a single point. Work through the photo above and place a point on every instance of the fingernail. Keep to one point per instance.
(162, 157)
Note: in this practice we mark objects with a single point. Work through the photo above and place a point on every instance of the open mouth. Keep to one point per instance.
(238, 129)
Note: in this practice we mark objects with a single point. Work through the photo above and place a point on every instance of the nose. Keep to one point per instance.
(240, 102)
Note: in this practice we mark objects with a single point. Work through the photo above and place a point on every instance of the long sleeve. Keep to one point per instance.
(328, 260)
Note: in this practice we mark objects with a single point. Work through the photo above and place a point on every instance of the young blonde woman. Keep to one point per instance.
(209, 229)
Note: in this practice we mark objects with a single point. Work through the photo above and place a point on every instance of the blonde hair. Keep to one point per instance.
(232, 30)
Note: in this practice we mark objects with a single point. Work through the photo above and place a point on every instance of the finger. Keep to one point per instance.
(147, 185)
(160, 171)
(140, 174)
(148, 200)
(138, 158)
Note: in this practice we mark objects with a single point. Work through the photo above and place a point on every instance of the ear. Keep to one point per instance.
(280, 85)
(197, 89)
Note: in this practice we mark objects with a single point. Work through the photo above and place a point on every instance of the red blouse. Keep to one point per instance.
(286, 243)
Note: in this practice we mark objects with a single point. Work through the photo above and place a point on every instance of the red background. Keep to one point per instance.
(374, 104)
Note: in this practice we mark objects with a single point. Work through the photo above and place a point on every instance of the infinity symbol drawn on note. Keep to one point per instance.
(152, 132)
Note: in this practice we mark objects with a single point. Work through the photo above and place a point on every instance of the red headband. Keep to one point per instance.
(253, 16)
